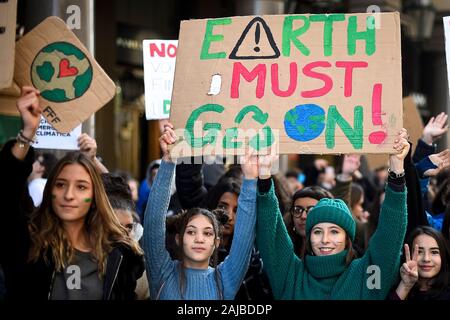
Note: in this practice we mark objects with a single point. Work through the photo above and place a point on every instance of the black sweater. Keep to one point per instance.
(26, 280)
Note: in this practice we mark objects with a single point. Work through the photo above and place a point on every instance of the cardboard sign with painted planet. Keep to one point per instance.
(61, 72)
(303, 83)
(72, 84)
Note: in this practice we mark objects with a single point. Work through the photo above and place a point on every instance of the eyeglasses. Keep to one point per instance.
(297, 211)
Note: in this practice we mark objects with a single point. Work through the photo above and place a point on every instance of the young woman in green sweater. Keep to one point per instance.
(329, 269)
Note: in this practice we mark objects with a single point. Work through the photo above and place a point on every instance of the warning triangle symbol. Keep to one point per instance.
(256, 42)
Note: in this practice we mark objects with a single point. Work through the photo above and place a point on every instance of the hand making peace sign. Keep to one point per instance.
(409, 271)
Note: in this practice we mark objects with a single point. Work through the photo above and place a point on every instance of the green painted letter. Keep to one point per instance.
(355, 135)
(292, 35)
(211, 128)
(368, 35)
(210, 37)
(327, 29)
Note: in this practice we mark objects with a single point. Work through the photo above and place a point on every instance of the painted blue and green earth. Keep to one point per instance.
(304, 122)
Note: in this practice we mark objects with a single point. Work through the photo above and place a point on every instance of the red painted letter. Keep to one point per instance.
(328, 82)
(292, 80)
(238, 70)
(349, 65)
(171, 50)
(159, 51)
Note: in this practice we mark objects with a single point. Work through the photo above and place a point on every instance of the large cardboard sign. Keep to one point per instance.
(300, 83)
(73, 86)
(159, 68)
(447, 47)
(8, 12)
(48, 138)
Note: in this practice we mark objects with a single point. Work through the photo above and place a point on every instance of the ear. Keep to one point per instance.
(177, 239)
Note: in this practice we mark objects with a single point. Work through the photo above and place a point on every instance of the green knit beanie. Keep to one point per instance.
(332, 211)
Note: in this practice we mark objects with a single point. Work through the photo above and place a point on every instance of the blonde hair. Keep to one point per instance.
(101, 224)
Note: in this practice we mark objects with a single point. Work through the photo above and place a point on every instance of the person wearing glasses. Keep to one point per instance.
(302, 202)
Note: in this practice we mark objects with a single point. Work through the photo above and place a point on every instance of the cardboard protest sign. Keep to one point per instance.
(159, 68)
(73, 86)
(8, 11)
(412, 122)
(8, 106)
(8, 98)
(304, 83)
(48, 138)
(447, 47)
(12, 90)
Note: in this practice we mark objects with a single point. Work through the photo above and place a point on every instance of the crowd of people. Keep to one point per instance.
(72, 230)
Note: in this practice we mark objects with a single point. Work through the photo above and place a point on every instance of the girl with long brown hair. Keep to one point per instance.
(72, 246)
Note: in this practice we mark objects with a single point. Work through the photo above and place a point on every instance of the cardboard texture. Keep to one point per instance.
(302, 84)
(73, 86)
(8, 106)
(12, 90)
(412, 121)
(8, 12)
(8, 97)
(159, 68)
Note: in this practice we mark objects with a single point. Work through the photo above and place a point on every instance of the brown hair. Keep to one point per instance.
(103, 228)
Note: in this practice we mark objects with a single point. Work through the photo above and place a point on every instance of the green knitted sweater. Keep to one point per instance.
(327, 277)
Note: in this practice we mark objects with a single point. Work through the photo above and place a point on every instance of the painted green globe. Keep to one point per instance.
(61, 72)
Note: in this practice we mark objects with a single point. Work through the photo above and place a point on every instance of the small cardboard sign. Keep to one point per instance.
(447, 47)
(8, 11)
(326, 83)
(72, 84)
(159, 68)
(48, 138)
